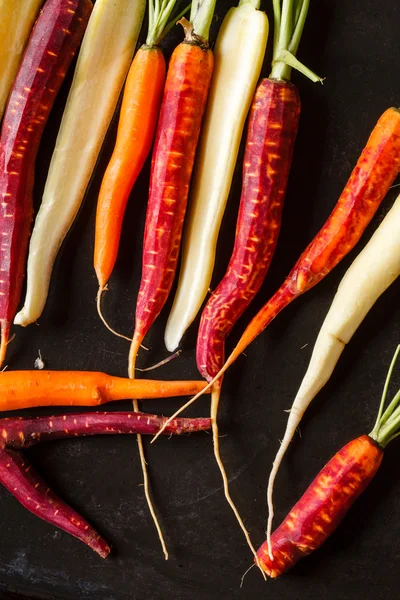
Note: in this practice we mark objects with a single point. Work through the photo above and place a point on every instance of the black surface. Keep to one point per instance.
(356, 46)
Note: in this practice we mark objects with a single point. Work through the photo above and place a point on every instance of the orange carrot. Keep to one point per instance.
(137, 123)
(369, 182)
(25, 389)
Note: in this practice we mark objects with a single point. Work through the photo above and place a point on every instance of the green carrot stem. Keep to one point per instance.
(387, 423)
(289, 61)
(201, 15)
(159, 20)
(298, 31)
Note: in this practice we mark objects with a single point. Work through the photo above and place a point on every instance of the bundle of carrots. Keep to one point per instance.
(190, 115)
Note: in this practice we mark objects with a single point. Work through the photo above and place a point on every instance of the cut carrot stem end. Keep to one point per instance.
(102, 317)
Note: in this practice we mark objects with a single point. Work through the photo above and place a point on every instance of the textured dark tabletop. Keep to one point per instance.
(355, 45)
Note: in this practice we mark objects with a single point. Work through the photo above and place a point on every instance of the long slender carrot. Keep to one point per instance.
(183, 104)
(18, 476)
(25, 389)
(137, 123)
(329, 497)
(369, 182)
(51, 47)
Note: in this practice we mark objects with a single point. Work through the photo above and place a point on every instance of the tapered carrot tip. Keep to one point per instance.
(5, 332)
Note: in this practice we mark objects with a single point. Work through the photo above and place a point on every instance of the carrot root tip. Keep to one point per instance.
(102, 317)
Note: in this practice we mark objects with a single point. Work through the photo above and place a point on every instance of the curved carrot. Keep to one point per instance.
(321, 508)
(51, 47)
(25, 389)
(139, 111)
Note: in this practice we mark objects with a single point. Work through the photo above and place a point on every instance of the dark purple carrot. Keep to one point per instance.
(18, 476)
(24, 432)
(21, 480)
(49, 52)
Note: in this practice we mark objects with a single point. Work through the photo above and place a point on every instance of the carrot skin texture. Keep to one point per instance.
(272, 129)
(25, 389)
(18, 476)
(369, 183)
(322, 507)
(184, 100)
(138, 120)
(50, 50)
(24, 432)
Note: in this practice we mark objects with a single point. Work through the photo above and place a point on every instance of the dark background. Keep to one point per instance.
(356, 46)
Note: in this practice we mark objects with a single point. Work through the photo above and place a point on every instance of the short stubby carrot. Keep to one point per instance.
(322, 507)
(272, 129)
(25, 389)
(49, 52)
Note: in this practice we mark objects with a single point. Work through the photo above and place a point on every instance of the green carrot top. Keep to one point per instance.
(289, 19)
(160, 21)
(387, 426)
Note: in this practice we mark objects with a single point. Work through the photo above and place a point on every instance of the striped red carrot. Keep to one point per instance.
(182, 108)
(321, 508)
(18, 476)
(137, 123)
(178, 129)
(332, 493)
(50, 50)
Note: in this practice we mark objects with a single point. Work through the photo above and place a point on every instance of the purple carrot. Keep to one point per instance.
(24, 432)
(18, 476)
(21, 480)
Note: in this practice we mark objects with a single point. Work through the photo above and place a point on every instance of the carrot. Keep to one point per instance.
(17, 20)
(18, 476)
(103, 63)
(329, 497)
(369, 182)
(137, 123)
(238, 54)
(182, 108)
(26, 389)
(371, 273)
(51, 47)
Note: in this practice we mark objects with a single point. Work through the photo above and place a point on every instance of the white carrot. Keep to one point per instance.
(238, 55)
(371, 273)
(103, 62)
(17, 20)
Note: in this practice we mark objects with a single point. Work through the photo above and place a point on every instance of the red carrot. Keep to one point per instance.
(178, 129)
(51, 47)
(329, 497)
(270, 140)
(18, 476)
